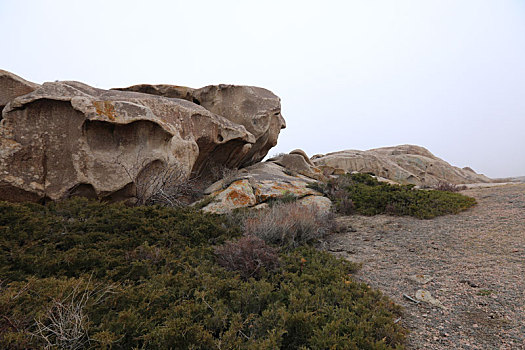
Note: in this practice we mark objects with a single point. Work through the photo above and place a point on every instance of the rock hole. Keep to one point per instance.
(82, 190)
(197, 102)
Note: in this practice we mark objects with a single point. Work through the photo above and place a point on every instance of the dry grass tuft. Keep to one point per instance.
(288, 224)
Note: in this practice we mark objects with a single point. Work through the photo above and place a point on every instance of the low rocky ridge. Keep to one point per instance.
(511, 179)
(66, 138)
(405, 164)
(291, 173)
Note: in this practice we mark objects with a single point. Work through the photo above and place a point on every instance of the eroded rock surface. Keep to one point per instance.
(67, 138)
(257, 109)
(406, 164)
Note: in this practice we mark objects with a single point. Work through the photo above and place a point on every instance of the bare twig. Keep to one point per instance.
(65, 324)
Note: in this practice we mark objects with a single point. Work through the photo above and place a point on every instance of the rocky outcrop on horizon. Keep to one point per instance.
(404, 164)
(66, 138)
(511, 179)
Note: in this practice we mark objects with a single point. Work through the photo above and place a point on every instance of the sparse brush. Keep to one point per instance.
(224, 173)
(288, 224)
(65, 325)
(287, 197)
(448, 187)
(163, 184)
(248, 255)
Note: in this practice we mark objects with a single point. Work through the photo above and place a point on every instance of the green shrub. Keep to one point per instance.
(147, 277)
(368, 196)
(287, 197)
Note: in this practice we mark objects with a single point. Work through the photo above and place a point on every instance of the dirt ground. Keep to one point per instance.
(472, 263)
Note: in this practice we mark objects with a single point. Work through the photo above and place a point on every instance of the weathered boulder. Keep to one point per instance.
(296, 163)
(322, 204)
(406, 164)
(257, 109)
(12, 86)
(67, 138)
(267, 180)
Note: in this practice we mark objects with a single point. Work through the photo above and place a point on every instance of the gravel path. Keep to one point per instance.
(475, 262)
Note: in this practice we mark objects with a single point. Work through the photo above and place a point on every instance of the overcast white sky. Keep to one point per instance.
(448, 75)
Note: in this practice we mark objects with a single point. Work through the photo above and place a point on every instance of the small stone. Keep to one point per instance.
(419, 278)
(425, 296)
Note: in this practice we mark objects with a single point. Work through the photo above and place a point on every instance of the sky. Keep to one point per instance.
(448, 75)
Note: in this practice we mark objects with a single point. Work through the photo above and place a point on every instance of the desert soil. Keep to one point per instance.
(473, 263)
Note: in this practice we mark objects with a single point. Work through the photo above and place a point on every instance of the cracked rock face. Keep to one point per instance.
(66, 138)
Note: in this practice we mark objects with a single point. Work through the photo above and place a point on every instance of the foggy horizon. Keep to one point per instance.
(445, 75)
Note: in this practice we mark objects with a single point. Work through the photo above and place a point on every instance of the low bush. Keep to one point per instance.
(448, 187)
(167, 290)
(288, 224)
(287, 197)
(365, 195)
(249, 255)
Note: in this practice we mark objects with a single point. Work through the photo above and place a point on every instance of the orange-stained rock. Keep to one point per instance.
(238, 195)
(266, 189)
(264, 181)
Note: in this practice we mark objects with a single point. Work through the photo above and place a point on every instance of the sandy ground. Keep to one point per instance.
(472, 263)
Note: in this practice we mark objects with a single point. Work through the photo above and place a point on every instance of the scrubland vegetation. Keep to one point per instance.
(365, 195)
(83, 274)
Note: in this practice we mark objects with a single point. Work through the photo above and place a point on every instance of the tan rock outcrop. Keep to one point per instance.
(67, 138)
(257, 109)
(406, 164)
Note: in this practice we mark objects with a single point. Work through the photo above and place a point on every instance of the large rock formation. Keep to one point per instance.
(257, 109)
(405, 164)
(67, 138)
